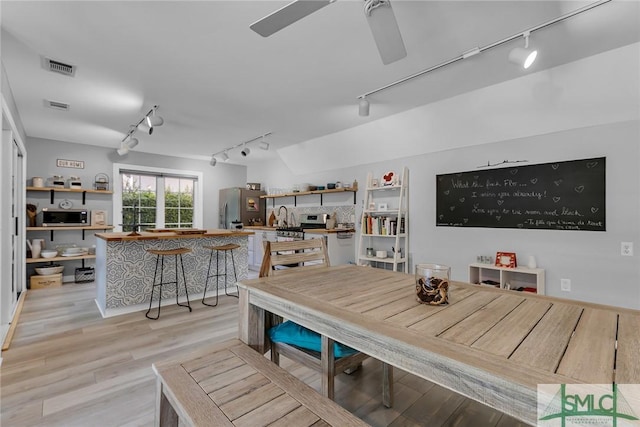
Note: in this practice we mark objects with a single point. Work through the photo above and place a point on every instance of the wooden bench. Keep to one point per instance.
(230, 384)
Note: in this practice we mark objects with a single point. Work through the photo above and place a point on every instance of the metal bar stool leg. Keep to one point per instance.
(209, 275)
(153, 287)
(184, 281)
(235, 274)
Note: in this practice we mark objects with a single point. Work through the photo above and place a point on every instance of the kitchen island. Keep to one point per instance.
(124, 268)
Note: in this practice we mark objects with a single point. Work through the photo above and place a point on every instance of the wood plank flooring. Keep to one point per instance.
(67, 366)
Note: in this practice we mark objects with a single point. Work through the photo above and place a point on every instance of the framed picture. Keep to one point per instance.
(506, 259)
(372, 206)
(382, 206)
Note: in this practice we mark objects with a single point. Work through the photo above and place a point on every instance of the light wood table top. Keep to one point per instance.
(164, 235)
(492, 345)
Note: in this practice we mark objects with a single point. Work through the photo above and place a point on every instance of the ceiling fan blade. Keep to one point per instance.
(287, 15)
(386, 33)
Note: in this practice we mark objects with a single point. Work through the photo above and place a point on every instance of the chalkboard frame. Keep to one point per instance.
(564, 195)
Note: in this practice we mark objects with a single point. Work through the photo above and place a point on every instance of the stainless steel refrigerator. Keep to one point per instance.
(239, 204)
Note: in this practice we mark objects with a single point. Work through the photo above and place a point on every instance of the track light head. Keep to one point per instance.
(144, 127)
(225, 156)
(123, 150)
(264, 145)
(363, 107)
(132, 142)
(213, 161)
(245, 151)
(523, 56)
(154, 120)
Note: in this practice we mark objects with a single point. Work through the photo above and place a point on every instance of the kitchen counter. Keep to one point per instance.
(163, 234)
(125, 270)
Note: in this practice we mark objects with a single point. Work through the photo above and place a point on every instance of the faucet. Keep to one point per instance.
(286, 213)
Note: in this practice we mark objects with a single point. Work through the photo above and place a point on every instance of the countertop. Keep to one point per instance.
(145, 235)
(306, 230)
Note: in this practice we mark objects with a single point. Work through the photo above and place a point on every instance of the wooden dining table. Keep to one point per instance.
(491, 345)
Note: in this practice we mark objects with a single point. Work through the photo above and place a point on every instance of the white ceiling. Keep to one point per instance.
(218, 83)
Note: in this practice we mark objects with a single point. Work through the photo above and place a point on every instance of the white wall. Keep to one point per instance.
(591, 260)
(588, 108)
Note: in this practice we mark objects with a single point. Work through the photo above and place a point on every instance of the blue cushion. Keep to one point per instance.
(294, 334)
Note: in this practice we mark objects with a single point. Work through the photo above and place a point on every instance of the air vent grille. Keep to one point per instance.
(56, 105)
(59, 67)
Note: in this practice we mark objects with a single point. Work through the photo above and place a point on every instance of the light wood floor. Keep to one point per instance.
(69, 367)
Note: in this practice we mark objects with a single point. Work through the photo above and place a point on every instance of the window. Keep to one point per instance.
(178, 202)
(156, 198)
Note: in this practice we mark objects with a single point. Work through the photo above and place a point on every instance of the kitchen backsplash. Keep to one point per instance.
(345, 214)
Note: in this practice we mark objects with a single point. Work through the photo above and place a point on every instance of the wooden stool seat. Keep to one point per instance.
(177, 251)
(229, 247)
(160, 254)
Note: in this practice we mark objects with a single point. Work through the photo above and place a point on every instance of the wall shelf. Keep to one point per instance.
(84, 191)
(59, 258)
(79, 227)
(295, 195)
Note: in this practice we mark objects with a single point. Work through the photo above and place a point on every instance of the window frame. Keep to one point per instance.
(198, 192)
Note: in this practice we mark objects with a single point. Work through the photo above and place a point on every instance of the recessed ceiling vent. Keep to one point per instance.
(59, 67)
(56, 105)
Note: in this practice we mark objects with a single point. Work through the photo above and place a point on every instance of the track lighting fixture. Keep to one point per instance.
(523, 56)
(132, 142)
(145, 124)
(144, 127)
(154, 120)
(264, 145)
(126, 146)
(123, 150)
(363, 107)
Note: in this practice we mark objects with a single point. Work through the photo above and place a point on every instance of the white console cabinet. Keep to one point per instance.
(508, 278)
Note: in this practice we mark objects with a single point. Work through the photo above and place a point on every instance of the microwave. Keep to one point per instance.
(64, 217)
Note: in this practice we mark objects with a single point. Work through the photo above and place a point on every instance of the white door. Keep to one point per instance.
(12, 283)
(17, 213)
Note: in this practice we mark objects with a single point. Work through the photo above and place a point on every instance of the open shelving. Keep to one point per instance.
(380, 227)
(508, 278)
(297, 194)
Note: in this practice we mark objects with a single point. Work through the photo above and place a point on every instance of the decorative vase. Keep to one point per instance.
(36, 247)
(532, 262)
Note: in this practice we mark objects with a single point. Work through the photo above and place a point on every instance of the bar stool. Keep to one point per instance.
(217, 249)
(161, 253)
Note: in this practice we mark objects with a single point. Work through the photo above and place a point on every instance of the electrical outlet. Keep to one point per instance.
(565, 285)
(626, 248)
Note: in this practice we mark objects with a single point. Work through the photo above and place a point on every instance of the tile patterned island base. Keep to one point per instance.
(124, 268)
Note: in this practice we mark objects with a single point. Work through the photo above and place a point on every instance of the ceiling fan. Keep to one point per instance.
(379, 15)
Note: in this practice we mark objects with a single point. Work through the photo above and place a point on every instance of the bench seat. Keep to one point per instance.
(229, 384)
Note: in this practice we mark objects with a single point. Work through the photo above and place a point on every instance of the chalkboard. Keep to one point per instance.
(553, 196)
